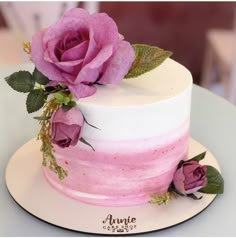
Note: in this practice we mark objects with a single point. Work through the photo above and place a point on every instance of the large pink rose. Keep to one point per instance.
(81, 50)
(67, 127)
(190, 177)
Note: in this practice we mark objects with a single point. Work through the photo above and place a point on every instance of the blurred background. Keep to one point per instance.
(202, 35)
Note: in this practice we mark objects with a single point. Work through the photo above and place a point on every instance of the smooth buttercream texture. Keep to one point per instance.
(152, 104)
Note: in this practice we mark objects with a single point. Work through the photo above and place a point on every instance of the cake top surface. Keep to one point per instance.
(162, 83)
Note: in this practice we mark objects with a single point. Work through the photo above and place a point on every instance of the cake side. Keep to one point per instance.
(138, 144)
(119, 178)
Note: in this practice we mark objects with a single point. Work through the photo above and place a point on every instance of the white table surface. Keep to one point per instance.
(213, 123)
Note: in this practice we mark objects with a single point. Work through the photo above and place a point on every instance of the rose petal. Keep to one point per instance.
(69, 78)
(67, 127)
(58, 136)
(90, 72)
(72, 132)
(75, 53)
(72, 39)
(193, 172)
(50, 55)
(73, 20)
(204, 168)
(82, 90)
(37, 53)
(93, 48)
(73, 116)
(196, 185)
(189, 179)
(53, 131)
(70, 67)
(102, 34)
(189, 167)
(47, 57)
(178, 180)
(106, 32)
(69, 63)
(59, 131)
(119, 65)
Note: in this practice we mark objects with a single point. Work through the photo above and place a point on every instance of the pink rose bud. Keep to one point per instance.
(80, 50)
(67, 127)
(190, 177)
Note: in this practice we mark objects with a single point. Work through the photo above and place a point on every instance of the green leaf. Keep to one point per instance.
(198, 157)
(40, 78)
(215, 182)
(69, 105)
(21, 81)
(86, 143)
(35, 100)
(147, 58)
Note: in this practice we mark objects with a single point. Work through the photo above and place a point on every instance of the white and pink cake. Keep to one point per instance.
(143, 134)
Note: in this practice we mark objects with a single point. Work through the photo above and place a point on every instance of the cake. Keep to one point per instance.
(115, 121)
(143, 134)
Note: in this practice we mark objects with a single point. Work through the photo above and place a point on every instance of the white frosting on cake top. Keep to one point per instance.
(164, 82)
(153, 104)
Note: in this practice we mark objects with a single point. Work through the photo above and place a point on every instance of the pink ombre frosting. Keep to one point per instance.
(122, 177)
(141, 140)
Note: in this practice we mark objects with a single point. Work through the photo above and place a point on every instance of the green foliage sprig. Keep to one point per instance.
(160, 199)
(50, 98)
(45, 136)
(214, 185)
(36, 85)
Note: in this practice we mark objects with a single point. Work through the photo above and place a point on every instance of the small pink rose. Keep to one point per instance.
(190, 177)
(81, 50)
(67, 127)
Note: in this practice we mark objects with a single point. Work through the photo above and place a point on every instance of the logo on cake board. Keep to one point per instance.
(120, 225)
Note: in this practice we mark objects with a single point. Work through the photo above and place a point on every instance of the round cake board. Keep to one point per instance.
(27, 185)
